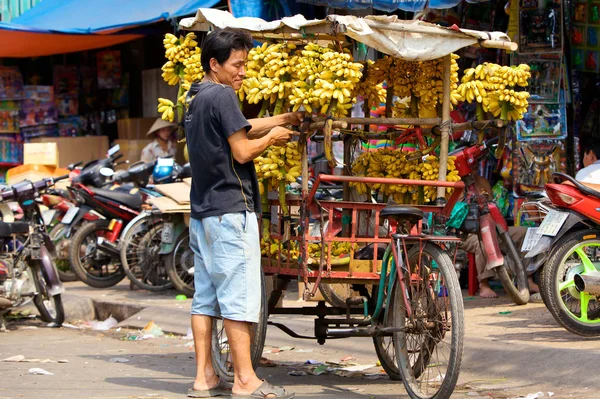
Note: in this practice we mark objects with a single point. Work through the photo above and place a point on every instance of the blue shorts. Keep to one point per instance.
(227, 271)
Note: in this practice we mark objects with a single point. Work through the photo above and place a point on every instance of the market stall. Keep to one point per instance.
(323, 240)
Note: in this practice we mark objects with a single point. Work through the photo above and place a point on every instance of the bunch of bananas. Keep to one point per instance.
(177, 49)
(394, 163)
(165, 107)
(429, 170)
(370, 86)
(338, 249)
(278, 164)
(493, 87)
(273, 247)
(182, 68)
(268, 72)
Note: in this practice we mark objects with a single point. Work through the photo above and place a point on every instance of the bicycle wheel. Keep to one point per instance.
(63, 266)
(384, 345)
(91, 264)
(512, 274)
(430, 345)
(578, 312)
(221, 353)
(180, 265)
(140, 256)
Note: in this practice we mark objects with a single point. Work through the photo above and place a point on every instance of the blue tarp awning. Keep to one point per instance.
(63, 26)
(85, 16)
(389, 5)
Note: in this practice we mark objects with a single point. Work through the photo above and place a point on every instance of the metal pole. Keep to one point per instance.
(446, 125)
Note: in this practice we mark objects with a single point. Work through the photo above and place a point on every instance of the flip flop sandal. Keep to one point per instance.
(223, 388)
(268, 391)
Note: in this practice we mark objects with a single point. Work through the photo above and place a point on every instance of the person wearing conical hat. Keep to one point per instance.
(164, 144)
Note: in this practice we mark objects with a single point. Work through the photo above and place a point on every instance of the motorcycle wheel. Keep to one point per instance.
(179, 263)
(93, 266)
(50, 307)
(578, 312)
(140, 258)
(222, 359)
(512, 276)
(63, 266)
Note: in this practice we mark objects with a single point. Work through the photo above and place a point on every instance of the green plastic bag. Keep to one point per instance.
(458, 215)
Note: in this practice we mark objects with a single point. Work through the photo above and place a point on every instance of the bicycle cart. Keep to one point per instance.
(409, 299)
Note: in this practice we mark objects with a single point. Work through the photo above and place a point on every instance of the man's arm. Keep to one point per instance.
(245, 150)
(262, 126)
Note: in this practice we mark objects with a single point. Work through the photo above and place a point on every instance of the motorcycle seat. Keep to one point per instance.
(133, 201)
(401, 212)
(582, 187)
(9, 229)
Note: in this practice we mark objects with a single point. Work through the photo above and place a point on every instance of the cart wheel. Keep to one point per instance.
(221, 353)
(335, 294)
(384, 345)
(429, 347)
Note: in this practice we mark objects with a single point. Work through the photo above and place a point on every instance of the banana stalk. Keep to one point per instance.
(504, 110)
(327, 137)
(285, 210)
(264, 108)
(479, 112)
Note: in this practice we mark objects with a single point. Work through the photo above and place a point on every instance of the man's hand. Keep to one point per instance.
(294, 118)
(281, 135)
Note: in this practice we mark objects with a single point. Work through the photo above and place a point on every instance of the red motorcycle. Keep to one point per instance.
(570, 234)
(485, 219)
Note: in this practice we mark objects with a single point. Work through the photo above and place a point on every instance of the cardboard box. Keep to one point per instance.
(72, 149)
(134, 128)
(33, 173)
(131, 150)
(40, 154)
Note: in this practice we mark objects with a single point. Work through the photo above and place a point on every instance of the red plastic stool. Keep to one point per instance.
(473, 282)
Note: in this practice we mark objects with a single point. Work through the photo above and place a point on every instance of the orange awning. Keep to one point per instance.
(21, 44)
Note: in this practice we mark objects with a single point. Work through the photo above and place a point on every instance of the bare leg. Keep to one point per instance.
(485, 291)
(533, 287)
(206, 377)
(238, 335)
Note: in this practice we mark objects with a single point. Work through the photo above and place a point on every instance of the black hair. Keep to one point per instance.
(591, 145)
(221, 43)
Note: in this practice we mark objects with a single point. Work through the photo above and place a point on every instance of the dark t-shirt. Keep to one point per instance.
(219, 183)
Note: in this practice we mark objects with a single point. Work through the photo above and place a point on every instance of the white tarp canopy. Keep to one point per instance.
(409, 40)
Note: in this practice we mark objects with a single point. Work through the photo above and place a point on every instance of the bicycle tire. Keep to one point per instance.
(178, 264)
(221, 356)
(385, 347)
(139, 255)
(424, 302)
(552, 275)
(90, 230)
(513, 276)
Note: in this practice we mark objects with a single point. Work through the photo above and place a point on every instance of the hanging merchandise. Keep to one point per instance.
(534, 162)
(109, 69)
(585, 34)
(543, 121)
(541, 27)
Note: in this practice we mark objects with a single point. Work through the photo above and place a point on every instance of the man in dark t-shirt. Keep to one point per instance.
(224, 232)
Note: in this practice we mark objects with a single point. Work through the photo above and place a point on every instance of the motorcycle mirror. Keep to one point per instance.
(114, 150)
(107, 172)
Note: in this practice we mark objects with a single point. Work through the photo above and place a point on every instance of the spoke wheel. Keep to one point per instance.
(221, 352)
(93, 266)
(384, 345)
(50, 307)
(429, 347)
(578, 312)
(180, 265)
(140, 256)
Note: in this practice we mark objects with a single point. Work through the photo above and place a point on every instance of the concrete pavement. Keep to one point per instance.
(506, 354)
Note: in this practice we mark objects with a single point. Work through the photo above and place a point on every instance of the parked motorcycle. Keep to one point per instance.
(570, 233)
(27, 270)
(486, 220)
